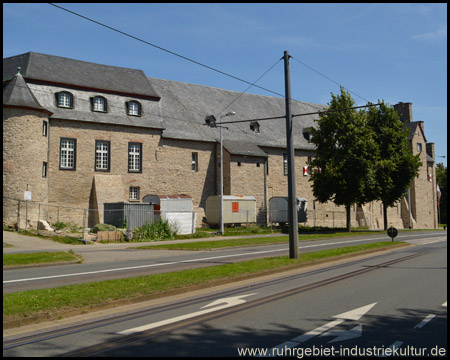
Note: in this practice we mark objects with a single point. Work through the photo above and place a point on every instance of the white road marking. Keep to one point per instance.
(392, 347)
(177, 262)
(192, 260)
(425, 321)
(342, 335)
(317, 331)
(354, 314)
(227, 302)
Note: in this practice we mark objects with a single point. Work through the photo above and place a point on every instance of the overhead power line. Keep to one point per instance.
(328, 78)
(304, 114)
(253, 84)
(166, 50)
(181, 56)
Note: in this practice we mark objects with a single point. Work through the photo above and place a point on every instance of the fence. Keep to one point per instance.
(24, 214)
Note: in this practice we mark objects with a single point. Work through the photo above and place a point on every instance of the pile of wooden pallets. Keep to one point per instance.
(114, 235)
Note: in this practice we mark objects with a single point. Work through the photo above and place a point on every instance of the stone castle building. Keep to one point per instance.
(77, 135)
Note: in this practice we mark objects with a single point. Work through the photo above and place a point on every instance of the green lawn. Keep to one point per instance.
(38, 258)
(209, 245)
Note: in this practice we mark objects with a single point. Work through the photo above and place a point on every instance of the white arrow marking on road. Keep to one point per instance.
(227, 302)
(344, 334)
(355, 314)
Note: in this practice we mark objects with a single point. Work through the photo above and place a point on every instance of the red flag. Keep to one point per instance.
(438, 193)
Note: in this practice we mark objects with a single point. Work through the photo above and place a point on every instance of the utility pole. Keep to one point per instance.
(292, 197)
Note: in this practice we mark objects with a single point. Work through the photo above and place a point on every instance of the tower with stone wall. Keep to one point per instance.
(25, 152)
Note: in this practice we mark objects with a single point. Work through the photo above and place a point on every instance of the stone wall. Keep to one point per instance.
(25, 149)
(166, 166)
(167, 170)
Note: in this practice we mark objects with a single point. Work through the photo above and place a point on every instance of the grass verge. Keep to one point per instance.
(32, 306)
(218, 244)
(38, 258)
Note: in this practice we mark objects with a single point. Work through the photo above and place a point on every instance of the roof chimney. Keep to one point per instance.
(405, 111)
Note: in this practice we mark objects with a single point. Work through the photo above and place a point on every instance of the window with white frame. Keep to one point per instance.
(285, 164)
(64, 99)
(67, 154)
(134, 193)
(194, 161)
(102, 155)
(134, 108)
(99, 103)
(135, 157)
(44, 128)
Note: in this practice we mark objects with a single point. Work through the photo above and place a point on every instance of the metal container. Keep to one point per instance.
(177, 209)
(131, 214)
(278, 209)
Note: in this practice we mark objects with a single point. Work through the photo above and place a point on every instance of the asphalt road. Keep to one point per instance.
(395, 301)
(145, 262)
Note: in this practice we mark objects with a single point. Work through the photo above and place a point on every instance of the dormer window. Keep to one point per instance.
(64, 99)
(307, 134)
(254, 126)
(134, 108)
(99, 103)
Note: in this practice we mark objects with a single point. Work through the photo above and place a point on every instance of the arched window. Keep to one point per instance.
(64, 99)
(99, 103)
(134, 108)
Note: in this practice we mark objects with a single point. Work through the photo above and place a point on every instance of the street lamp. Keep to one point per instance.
(222, 231)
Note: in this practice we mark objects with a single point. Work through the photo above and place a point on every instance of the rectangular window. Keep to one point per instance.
(102, 155)
(99, 104)
(44, 128)
(65, 99)
(285, 164)
(44, 169)
(67, 154)
(134, 157)
(134, 108)
(134, 193)
(419, 147)
(194, 161)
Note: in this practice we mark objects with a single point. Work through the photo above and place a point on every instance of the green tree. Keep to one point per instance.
(343, 168)
(441, 179)
(396, 166)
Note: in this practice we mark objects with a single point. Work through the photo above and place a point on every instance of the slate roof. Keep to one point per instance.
(243, 148)
(82, 74)
(17, 94)
(179, 109)
(184, 108)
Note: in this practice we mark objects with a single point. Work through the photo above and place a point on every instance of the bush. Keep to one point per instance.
(103, 227)
(157, 231)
